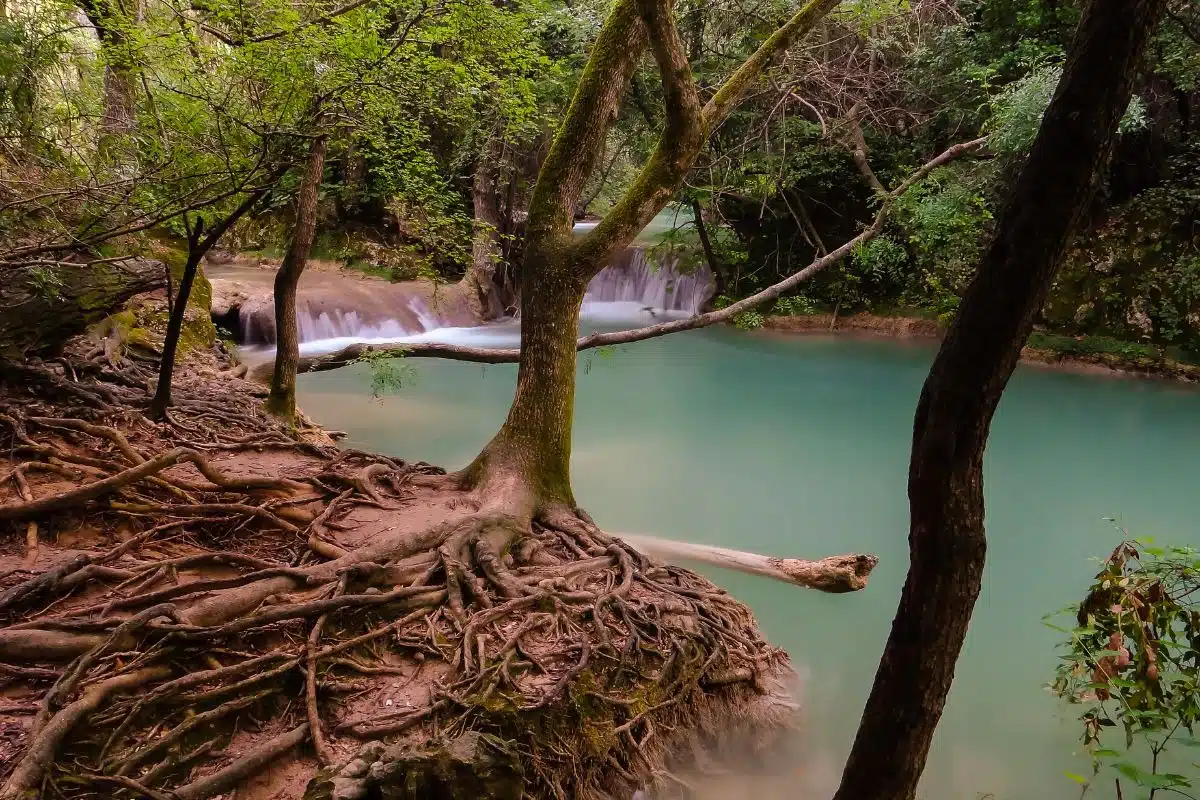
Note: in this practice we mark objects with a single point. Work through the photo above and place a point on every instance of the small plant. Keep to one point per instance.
(1132, 663)
(748, 320)
(389, 372)
(45, 283)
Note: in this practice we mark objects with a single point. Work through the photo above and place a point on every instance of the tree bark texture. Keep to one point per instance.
(42, 306)
(946, 538)
(480, 278)
(112, 23)
(282, 398)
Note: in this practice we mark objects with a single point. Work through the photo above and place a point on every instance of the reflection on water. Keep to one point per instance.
(799, 447)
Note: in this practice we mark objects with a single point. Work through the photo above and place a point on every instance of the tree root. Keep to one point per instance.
(77, 497)
(500, 623)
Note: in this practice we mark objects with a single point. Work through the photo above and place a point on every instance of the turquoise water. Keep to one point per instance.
(799, 447)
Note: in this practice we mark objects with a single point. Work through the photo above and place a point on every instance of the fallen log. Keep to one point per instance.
(835, 574)
(42, 304)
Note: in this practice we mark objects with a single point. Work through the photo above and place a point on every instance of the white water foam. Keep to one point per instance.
(621, 315)
(634, 279)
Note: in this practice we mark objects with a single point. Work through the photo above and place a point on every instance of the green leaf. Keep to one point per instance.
(1082, 781)
(1149, 780)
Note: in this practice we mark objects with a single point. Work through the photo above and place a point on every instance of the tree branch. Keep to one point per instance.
(677, 147)
(234, 41)
(835, 574)
(858, 150)
(581, 137)
(716, 109)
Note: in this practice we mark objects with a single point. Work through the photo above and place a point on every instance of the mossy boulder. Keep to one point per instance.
(45, 306)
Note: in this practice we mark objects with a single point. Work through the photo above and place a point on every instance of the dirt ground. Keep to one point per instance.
(211, 604)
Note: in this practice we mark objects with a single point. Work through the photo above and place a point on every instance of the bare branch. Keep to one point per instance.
(716, 109)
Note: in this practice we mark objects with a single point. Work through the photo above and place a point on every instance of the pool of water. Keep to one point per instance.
(798, 446)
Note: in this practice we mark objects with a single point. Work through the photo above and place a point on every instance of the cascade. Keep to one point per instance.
(334, 309)
(633, 278)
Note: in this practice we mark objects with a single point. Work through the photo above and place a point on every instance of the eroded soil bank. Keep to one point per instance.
(1054, 352)
(213, 602)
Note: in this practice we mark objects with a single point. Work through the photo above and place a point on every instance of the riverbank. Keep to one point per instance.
(1086, 354)
(237, 568)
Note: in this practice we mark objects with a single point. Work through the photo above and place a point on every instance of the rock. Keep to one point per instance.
(219, 256)
(45, 306)
(1138, 320)
(474, 765)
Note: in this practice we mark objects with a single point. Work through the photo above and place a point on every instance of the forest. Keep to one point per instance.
(206, 592)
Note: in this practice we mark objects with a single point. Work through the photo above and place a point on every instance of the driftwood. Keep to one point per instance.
(836, 574)
(42, 304)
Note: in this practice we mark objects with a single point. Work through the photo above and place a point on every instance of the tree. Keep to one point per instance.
(524, 472)
(199, 242)
(947, 542)
(282, 399)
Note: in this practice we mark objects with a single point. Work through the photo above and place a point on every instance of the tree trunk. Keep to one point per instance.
(198, 245)
(119, 115)
(120, 98)
(479, 280)
(946, 539)
(706, 245)
(42, 307)
(282, 399)
(166, 367)
(534, 443)
(532, 449)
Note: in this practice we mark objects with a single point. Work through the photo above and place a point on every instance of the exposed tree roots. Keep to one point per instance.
(217, 619)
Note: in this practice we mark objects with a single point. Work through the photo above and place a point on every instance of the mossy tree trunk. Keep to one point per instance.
(947, 544)
(282, 398)
(42, 307)
(528, 460)
(115, 26)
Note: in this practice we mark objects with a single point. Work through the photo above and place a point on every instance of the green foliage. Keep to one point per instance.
(1092, 346)
(881, 259)
(1131, 665)
(1017, 110)
(390, 372)
(749, 320)
(796, 306)
(44, 282)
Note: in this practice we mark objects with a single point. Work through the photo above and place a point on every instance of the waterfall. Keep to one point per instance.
(334, 309)
(632, 278)
(346, 310)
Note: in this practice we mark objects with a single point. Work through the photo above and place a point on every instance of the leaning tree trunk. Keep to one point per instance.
(981, 349)
(198, 244)
(43, 306)
(282, 399)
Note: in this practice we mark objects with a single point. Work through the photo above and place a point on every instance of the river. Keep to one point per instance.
(798, 446)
